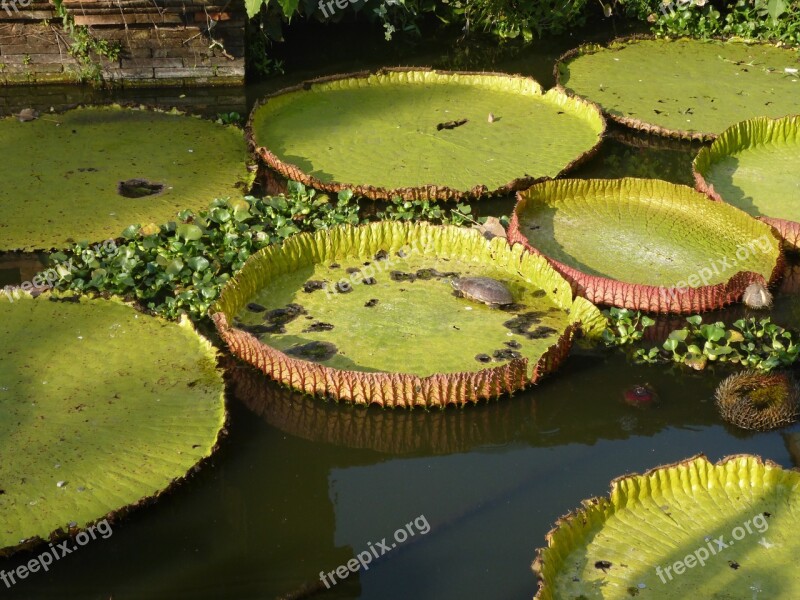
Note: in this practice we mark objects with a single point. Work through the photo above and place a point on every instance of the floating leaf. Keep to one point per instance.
(753, 165)
(189, 232)
(644, 244)
(98, 147)
(376, 134)
(648, 81)
(144, 407)
(335, 276)
(674, 515)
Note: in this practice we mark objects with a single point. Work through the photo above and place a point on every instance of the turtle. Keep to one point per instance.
(483, 289)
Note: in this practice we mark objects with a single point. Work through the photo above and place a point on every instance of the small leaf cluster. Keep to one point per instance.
(625, 326)
(425, 210)
(773, 20)
(752, 343)
(180, 267)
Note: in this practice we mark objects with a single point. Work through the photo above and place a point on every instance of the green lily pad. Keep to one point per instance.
(418, 133)
(101, 408)
(646, 244)
(689, 530)
(753, 165)
(63, 174)
(369, 315)
(683, 88)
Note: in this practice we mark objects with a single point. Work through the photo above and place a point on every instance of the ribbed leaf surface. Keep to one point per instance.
(398, 341)
(101, 408)
(646, 244)
(730, 527)
(753, 165)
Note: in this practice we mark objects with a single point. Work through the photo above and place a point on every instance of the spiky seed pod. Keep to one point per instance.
(757, 295)
(758, 401)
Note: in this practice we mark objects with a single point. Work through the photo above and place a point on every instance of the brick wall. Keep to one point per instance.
(164, 42)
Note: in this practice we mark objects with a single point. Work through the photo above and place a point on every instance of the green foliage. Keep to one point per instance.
(399, 16)
(625, 326)
(231, 118)
(425, 210)
(180, 267)
(756, 344)
(526, 19)
(506, 19)
(85, 46)
(259, 35)
(777, 20)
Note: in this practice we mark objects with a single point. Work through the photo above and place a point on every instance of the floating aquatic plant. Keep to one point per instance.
(683, 88)
(103, 408)
(753, 165)
(646, 244)
(398, 132)
(757, 344)
(692, 529)
(758, 401)
(368, 315)
(180, 266)
(107, 158)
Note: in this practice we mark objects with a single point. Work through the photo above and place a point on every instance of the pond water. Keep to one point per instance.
(300, 486)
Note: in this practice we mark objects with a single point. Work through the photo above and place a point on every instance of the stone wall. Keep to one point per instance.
(163, 42)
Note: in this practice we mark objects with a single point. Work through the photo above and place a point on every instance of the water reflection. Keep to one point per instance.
(636, 155)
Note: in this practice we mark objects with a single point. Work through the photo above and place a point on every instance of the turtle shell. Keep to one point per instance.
(483, 289)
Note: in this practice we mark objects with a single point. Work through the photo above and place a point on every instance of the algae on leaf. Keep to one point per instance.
(646, 244)
(754, 166)
(423, 134)
(67, 179)
(101, 408)
(688, 530)
(368, 314)
(683, 88)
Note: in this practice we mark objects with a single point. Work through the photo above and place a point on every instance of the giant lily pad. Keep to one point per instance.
(689, 530)
(86, 174)
(423, 134)
(753, 165)
(683, 88)
(101, 408)
(646, 244)
(368, 315)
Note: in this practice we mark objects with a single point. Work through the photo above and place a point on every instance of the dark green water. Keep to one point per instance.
(300, 486)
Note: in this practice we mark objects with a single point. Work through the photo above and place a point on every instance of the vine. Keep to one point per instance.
(84, 45)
